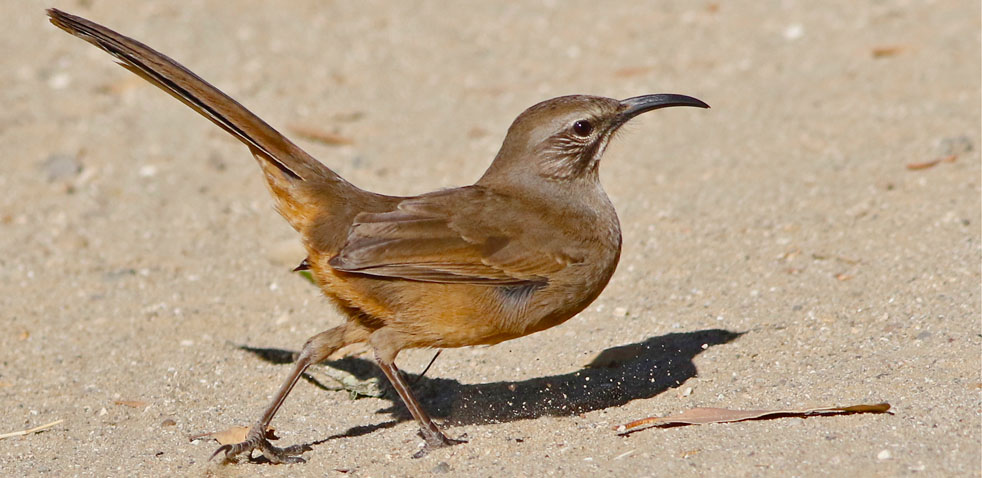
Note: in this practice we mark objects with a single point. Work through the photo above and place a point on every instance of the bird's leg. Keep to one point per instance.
(317, 348)
(256, 438)
(429, 431)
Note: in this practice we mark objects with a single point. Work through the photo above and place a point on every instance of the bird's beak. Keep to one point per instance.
(632, 107)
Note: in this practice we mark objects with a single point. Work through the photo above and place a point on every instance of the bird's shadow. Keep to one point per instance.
(616, 376)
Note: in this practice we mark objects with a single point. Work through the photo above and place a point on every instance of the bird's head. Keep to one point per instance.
(563, 139)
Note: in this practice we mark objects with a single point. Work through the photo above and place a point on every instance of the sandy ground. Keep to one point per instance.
(778, 250)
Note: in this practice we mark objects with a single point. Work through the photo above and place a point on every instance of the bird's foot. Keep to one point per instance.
(434, 440)
(256, 440)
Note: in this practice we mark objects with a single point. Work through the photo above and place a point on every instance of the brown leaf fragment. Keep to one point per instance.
(842, 277)
(688, 453)
(886, 51)
(923, 165)
(701, 416)
(930, 164)
(232, 435)
(316, 134)
(130, 403)
(790, 255)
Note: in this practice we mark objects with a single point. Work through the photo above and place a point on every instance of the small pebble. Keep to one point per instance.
(59, 81)
(884, 455)
(955, 145)
(61, 166)
(441, 467)
(147, 171)
(794, 31)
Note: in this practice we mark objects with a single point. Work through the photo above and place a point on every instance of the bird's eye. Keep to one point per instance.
(582, 128)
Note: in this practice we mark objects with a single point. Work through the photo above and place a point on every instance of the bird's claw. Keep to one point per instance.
(256, 440)
(436, 440)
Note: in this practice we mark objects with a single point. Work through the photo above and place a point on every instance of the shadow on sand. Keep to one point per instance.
(617, 376)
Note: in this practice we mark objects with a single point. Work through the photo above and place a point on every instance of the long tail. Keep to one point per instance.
(299, 182)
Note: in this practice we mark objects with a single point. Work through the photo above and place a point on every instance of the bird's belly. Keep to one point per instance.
(459, 315)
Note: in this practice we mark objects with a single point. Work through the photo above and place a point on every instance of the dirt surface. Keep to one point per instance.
(779, 251)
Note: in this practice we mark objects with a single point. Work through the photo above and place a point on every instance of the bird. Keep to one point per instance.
(529, 245)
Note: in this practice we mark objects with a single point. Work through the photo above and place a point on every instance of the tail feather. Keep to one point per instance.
(286, 165)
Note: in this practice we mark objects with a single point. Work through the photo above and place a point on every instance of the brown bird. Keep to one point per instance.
(528, 246)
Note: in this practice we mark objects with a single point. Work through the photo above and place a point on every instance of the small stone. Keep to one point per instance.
(794, 31)
(169, 422)
(442, 467)
(59, 81)
(620, 312)
(147, 171)
(955, 145)
(884, 455)
(61, 166)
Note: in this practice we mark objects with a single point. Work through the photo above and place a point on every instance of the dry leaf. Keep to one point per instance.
(230, 436)
(700, 416)
(688, 453)
(930, 164)
(923, 165)
(131, 403)
(885, 51)
(233, 435)
(319, 135)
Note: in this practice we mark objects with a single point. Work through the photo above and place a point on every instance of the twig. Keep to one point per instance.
(32, 430)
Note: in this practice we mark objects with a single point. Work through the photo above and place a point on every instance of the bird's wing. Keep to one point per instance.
(466, 235)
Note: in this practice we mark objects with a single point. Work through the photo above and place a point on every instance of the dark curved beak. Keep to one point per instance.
(632, 107)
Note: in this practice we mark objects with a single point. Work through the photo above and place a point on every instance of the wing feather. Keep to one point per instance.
(454, 236)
